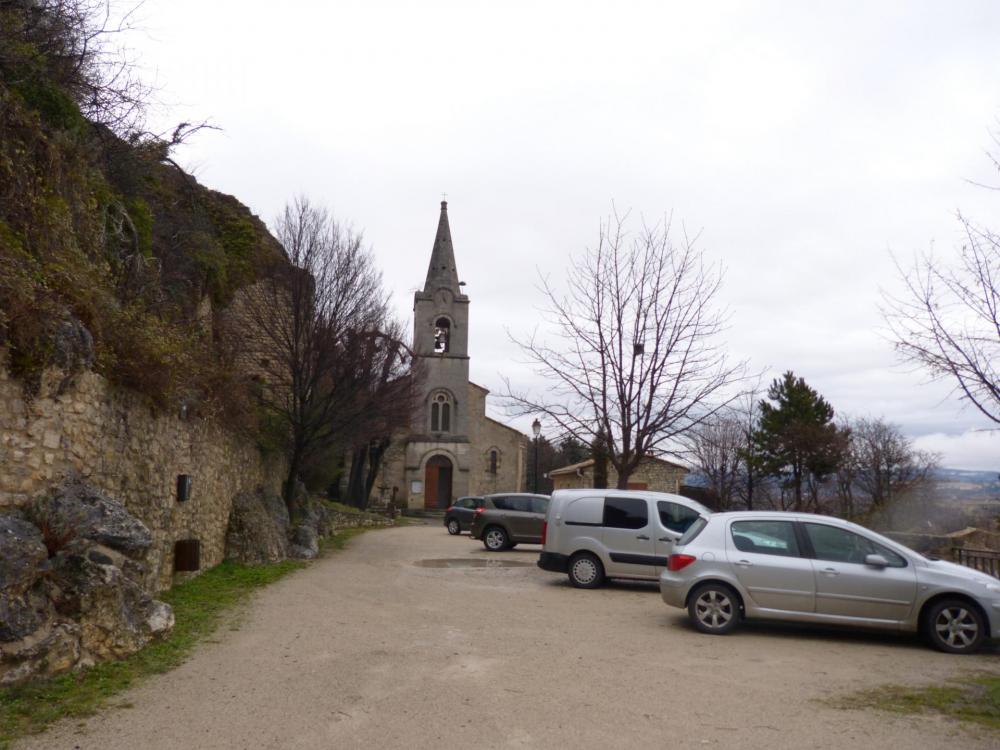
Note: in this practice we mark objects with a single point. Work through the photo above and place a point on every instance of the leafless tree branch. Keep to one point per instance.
(635, 351)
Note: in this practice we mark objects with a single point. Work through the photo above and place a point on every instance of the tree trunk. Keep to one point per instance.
(356, 478)
(376, 451)
(797, 482)
(288, 491)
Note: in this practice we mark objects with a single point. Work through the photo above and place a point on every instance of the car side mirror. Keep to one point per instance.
(876, 561)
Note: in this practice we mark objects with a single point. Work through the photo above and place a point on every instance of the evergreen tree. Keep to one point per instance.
(796, 439)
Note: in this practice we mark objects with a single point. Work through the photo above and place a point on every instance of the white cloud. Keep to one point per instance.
(973, 449)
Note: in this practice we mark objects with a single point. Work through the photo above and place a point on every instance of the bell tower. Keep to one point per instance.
(441, 342)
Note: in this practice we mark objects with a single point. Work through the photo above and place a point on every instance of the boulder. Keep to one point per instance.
(95, 517)
(116, 615)
(71, 588)
(51, 650)
(22, 554)
(258, 530)
(305, 542)
(23, 559)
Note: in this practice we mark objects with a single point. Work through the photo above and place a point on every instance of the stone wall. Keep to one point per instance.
(115, 441)
(654, 475)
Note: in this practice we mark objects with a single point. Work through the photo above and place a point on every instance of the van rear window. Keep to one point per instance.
(693, 531)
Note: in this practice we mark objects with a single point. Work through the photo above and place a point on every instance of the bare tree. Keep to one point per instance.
(948, 320)
(638, 358)
(717, 448)
(379, 368)
(72, 43)
(881, 464)
(329, 356)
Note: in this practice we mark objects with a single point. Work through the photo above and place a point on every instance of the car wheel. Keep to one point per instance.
(495, 539)
(714, 608)
(955, 626)
(454, 527)
(585, 571)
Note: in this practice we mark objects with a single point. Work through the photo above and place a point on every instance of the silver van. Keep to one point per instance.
(596, 534)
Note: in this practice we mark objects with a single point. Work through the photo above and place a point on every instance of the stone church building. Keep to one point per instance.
(453, 448)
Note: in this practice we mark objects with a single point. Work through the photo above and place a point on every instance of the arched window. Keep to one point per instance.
(441, 413)
(494, 460)
(442, 334)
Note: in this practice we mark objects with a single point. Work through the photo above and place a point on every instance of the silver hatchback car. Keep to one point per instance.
(810, 568)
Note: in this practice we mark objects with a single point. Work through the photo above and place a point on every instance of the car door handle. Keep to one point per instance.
(643, 536)
(665, 539)
(744, 563)
(831, 572)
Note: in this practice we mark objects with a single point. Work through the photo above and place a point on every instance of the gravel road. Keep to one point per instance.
(369, 649)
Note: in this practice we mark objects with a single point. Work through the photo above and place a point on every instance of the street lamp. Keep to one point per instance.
(536, 428)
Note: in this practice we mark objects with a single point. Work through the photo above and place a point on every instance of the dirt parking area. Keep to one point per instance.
(375, 647)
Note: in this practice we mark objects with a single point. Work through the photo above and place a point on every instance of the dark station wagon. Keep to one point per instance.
(458, 517)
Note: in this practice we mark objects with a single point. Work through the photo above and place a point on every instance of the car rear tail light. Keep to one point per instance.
(479, 510)
(449, 509)
(545, 528)
(679, 562)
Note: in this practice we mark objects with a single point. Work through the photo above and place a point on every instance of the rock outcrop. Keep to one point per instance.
(258, 528)
(71, 589)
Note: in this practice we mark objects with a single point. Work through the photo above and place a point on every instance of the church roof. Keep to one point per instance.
(442, 271)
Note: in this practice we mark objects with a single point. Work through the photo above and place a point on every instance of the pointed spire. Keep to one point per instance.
(442, 271)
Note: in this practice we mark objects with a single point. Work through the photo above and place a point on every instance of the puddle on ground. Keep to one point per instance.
(466, 562)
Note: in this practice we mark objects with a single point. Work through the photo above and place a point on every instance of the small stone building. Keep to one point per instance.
(453, 448)
(654, 474)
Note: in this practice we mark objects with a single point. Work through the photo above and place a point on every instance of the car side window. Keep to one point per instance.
(765, 537)
(840, 545)
(520, 504)
(539, 505)
(464, 503)
(675, 517)
(625, 512)
(501, 503)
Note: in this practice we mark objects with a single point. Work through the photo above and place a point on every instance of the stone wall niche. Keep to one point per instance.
(187, 555)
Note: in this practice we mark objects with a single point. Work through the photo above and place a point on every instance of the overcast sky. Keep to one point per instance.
(805, 141)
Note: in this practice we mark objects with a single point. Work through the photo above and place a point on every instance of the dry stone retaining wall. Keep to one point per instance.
(115, 441)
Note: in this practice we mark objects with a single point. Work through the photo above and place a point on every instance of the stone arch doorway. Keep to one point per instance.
(437, 483)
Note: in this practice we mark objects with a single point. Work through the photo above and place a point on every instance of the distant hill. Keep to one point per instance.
(957, 484)
(960, 484)
(963, 475)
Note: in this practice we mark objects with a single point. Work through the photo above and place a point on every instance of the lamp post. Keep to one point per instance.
(536, 428)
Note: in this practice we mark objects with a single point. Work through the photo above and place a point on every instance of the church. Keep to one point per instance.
(453, 448)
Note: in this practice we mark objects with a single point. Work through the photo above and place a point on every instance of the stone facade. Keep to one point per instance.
(453, 448)
(117, 443)
(653, 474)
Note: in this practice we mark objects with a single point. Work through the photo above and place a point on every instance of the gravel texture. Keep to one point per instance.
(368, 649)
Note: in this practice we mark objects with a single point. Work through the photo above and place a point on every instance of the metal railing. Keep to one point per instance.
(983, 560)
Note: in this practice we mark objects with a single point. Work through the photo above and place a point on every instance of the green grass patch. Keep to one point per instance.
(975, 699)
(341, 507)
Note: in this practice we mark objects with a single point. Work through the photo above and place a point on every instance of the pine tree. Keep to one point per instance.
(796, 439)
